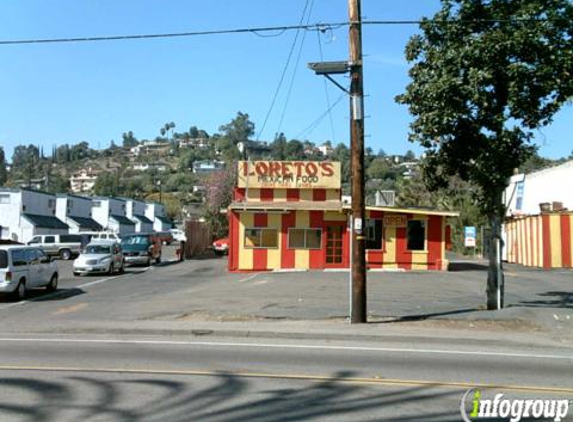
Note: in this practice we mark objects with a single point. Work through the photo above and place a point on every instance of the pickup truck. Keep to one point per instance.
(66, 246)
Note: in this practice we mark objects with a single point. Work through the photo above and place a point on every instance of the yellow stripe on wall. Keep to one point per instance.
(332, 195)
(253, 194)
(274, 255)
(246, 219)
(302, 256)
(555, 231)
(390, 254)
(279, 195)
(305, 195)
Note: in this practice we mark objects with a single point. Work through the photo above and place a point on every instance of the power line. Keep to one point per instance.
(260, 30)
(285, 68)
(310, 128)
(326, 89)
(295, 68)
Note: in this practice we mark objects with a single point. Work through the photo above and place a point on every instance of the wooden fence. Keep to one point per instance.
(198, 238)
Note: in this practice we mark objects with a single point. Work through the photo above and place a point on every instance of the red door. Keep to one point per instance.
(334, 245)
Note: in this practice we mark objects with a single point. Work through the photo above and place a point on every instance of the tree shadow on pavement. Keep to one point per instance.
(466, 266)
(562, 300)
(220, 398)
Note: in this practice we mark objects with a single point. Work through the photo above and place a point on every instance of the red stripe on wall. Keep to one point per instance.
(266, 195)
(566, 241)
(234, 241)
(316, 256)
(434, 242)
(319, 194)
(239, 194)
(260, 255)
(293, 195)
(287, 255)
(403, 256)
(546, 241)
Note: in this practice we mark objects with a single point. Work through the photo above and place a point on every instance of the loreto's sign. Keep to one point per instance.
(289, 174)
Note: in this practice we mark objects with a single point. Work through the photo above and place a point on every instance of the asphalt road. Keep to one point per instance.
(52, 368)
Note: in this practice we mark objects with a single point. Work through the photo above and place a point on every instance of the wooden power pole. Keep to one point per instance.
(358, 266)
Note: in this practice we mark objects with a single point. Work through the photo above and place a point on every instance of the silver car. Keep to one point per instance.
(100, 257)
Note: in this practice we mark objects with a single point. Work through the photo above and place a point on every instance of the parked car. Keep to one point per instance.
(165, 237)
(221, 246)
(178, 235)
(25, 267)
(66, 246)
(141, 248)
(107, 236)
(100, 257)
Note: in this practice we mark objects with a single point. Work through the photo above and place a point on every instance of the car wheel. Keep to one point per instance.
(53, 284)
(20, 292)
(110, 269)
(76, 274)
(66, 254)
(148, 262)
(158, 260)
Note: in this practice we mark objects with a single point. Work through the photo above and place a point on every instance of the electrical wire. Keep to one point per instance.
(259, 30)
(295, 69)
(310, 128)
(326, 88)
(285, 68)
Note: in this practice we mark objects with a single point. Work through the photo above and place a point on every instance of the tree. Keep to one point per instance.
(106, 184)
(218, 195)
(3, 171)
(129, 140)
(485, 74)
(278, 147)
(410, 156)
(294, 150)
(240, 129)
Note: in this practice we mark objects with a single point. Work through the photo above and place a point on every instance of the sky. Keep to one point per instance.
(51, 94)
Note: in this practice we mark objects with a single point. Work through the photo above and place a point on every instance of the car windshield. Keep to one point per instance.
(3, 259)
(97, 249)
(135, 240)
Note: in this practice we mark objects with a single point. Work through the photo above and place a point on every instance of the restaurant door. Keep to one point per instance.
(334, 241)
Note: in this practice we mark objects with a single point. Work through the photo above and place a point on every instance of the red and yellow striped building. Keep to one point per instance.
(543, 241)
(289, 215)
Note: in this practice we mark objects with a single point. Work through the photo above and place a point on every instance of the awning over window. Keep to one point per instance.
(86, 223)
(45, 221)
(164, 220)
(121, 219)
(142, 219)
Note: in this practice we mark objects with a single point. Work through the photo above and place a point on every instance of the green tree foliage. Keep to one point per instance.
(240, 129)
(486, 74)
(278, 147)
(294, 150)
(107, 184)
(129, 140)
(342, 153)
(3, 171)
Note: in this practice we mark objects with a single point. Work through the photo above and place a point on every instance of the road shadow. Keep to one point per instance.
(424, 317)
(41, 295)
(466, 266)
(219, 398)
(560, 300)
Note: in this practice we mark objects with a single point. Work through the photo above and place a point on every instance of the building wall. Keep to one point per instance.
(544, 241)
(101, 213)
(546, 185)
(10, 206)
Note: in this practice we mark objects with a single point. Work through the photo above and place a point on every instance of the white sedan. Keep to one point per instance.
(100, 257)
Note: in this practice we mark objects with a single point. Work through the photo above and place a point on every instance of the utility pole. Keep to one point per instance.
(358, 266)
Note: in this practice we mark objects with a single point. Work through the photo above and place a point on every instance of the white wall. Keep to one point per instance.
(549, 185)
(10, 215)
(101, 213)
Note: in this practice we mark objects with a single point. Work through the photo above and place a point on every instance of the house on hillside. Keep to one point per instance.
(206, 167)
(84, 180)
(25, 213)
(150, 166)
(135, 211)
(110, 213)
(76, 212)
(147, 147)
(156, 213)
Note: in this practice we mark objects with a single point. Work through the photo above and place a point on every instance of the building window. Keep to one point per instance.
(374, 234)
(416, 235)
(305, 238)
(4, 199)
(261, 238)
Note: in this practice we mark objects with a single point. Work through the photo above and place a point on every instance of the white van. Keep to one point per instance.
(26, 267)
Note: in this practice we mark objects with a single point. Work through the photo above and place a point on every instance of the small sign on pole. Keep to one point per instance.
(470, 236)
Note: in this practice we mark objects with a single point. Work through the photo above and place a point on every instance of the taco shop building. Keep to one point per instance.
(289, 215)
